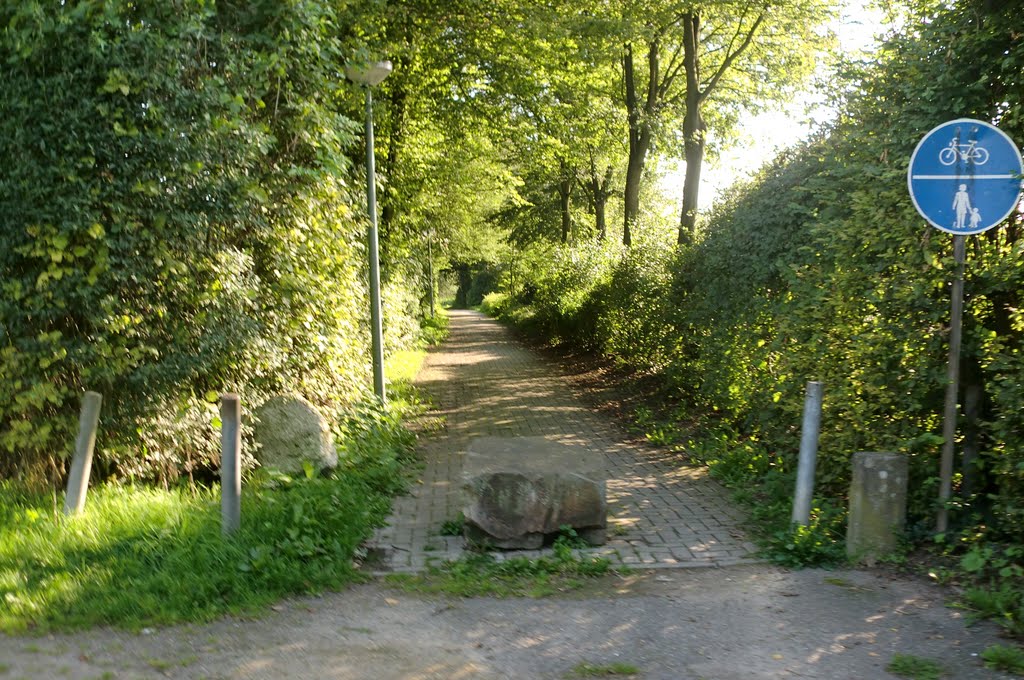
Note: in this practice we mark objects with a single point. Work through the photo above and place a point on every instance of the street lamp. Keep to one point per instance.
(369, 75)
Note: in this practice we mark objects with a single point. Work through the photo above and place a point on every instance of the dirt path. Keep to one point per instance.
(729, 619)
(748, 622)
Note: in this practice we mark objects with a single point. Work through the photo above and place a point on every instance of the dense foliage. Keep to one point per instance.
(821, 269)
(187, 192)
(178, 204)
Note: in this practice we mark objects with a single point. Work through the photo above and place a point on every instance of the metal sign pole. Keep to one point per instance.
(952, 386)
(964, 178)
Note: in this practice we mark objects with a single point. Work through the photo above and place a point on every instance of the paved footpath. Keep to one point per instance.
(485, 383)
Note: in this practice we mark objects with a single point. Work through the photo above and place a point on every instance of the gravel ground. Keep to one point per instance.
(745, 622)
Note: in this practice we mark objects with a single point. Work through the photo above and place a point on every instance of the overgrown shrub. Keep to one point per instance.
(180, 219)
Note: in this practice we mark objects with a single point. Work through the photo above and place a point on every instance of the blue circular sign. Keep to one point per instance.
(965, 176)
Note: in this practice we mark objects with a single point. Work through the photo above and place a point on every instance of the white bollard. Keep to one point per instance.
(230, 463)
(81, 464)
(808, 454)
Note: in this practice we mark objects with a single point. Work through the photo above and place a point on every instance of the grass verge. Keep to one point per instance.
(482, 574)
(141, 556)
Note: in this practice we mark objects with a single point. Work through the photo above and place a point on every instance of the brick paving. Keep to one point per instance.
(662, 514)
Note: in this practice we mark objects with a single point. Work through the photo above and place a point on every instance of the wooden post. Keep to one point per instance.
(230, 463)
(81, 464)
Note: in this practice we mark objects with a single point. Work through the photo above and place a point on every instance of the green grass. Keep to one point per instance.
(403, 366)
(589, 670)
(1007, 658)
(452, 527)
(140, 556)
(481, 574)
(915, 667)
(434, 329)
(1004, 605)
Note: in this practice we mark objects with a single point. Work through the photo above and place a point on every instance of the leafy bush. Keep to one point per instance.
(634, 303)
(434, 329)
(495, 304)
(174, 225)
(819, 543)
(564, 297)
(1003, 604)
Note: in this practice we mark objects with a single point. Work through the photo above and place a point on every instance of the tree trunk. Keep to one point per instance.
(631, 194)
(639, 133)
(635, 163)
(564, 194)
(694, 126)
(599, 192)
(694, 130)
(566, 183)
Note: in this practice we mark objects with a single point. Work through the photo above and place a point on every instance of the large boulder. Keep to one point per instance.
(521, 490)
(289, 432)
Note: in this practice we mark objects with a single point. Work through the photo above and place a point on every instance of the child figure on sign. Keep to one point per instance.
(975, 219)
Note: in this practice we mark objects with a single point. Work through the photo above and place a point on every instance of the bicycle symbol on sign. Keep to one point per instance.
(964, 152)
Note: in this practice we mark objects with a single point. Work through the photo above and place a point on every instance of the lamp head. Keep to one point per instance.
(370, 74)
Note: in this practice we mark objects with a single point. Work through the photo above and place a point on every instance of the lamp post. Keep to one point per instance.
(368, 76)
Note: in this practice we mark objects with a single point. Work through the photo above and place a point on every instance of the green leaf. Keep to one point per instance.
(973, 561)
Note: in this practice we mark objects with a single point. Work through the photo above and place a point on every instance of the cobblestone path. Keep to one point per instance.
(484, 383)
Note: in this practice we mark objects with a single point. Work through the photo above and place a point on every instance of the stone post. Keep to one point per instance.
(878, 504)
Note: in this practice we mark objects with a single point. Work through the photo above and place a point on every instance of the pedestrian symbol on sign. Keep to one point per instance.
(961, 204)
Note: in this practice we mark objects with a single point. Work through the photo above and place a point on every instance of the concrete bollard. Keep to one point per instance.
(878, 504)
(81, 464)
(230, 463)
